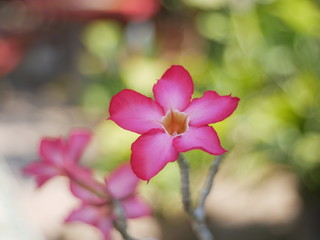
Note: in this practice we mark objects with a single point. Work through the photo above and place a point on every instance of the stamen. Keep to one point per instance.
(175, 122)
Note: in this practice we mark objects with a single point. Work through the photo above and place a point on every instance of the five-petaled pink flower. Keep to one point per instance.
(59, 156)
(98, 207)
(171, 123)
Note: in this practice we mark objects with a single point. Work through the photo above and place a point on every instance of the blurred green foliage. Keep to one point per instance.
(264, 51)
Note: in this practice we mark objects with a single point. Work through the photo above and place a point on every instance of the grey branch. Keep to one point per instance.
(209, 182)
(185, 186)
(120, 223)
(197, 215)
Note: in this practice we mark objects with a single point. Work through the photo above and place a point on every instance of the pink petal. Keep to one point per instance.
(79, 173)
(203, 138)
(174, 89)
(52, 150)
(85, 213)
(93, 216)
(40, 168)
(78, 140)
(135, 112)
(85, 187)
(122, 182)
(84, 194)
(210, 108)
(135, 207)
(105, 226)
(151, 152)
(42, 171)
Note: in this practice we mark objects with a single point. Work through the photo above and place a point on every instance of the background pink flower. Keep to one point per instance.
(96, 9)
(98, 206)
(171, 123)
(59, 156)
(11, 52)
(99, 201)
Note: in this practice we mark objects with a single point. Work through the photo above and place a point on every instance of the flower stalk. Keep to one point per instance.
(185, 186)
(197, 214)
(209, 182)
(120, 221)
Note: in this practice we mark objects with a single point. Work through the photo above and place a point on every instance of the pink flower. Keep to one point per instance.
(97, 207)
(59, 156)
(11, 52)
(172, 123)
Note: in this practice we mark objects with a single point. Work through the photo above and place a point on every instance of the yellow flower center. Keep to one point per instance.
(175, 122)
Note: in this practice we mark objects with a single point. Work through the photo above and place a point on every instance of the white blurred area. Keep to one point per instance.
(271, 201)
(14, 221)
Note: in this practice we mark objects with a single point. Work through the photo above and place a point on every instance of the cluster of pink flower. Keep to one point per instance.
(169, 125)
(60, 157)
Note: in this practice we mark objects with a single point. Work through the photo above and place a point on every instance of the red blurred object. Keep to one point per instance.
(88, 9)
(10, 55)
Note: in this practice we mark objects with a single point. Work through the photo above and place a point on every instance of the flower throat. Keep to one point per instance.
(175, 122)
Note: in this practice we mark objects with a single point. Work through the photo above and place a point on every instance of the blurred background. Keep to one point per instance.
(61, 62)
